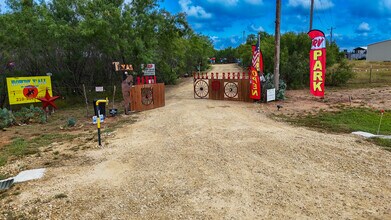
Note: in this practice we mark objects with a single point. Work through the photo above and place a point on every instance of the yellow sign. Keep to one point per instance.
(22, 90)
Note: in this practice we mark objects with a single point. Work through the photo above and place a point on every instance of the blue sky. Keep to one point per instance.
(355, 22)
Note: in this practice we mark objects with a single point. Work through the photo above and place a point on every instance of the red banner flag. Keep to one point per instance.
(260, 61)
(255, 85)
(317, 62)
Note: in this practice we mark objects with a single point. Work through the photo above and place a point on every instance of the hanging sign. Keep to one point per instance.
(22, 90)
(99, 89)
(317, 63)
(148, 70)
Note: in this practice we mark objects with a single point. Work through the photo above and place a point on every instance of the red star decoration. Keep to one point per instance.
(48, 100)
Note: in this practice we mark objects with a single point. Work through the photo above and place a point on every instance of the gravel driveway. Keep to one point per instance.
(205, 159)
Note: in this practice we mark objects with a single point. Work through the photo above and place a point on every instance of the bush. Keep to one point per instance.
(343, 73)
(71, 122)
(6, 118)
(269, 84)
(30, 115)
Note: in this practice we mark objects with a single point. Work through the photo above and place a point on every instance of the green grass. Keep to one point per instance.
(385, 143)
(20, 147)
(3, 160)
(349, 120)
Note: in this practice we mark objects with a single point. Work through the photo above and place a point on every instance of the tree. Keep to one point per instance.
(77, 40)
(294, 61)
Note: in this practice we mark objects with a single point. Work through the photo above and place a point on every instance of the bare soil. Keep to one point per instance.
(204, 159)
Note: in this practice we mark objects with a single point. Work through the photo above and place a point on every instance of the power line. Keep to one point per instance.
(324, 14)
(321, 22)
(331, 33)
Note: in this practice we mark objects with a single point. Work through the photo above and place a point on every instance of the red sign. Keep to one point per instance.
(30, 92)
(317, 63)
(255, 85)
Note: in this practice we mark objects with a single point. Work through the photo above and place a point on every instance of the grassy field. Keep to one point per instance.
(371, 72)
(34, 140)
(349, 120)
(20, 147)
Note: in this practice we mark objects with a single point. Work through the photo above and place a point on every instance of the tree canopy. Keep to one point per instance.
(294, 61)
(77, 40)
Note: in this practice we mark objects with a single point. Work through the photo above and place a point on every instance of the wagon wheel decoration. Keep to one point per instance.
(201, 89)
(146, 96)
(231, 90)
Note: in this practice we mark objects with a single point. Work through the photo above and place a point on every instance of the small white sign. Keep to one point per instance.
(270, 95)
(149, 69)
(99, 89)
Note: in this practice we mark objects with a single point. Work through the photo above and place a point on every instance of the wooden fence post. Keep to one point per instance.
(86, 100)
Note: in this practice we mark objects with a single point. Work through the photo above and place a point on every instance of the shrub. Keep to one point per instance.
(343, 73)
(71, 122)
(30, 115)
(6, 118)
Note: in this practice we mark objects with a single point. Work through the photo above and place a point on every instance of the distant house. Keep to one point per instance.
(359, 53)
(380, 51)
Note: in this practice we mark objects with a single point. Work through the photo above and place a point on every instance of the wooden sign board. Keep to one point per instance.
(122, 67)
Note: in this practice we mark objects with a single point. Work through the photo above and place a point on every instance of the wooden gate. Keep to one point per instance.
(147, 96)
(225, 86)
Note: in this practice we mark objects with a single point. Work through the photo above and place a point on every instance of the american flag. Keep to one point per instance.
(257, 60)
(256, 55)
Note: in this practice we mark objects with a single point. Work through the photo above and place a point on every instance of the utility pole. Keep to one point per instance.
(244, 40)
(331, 34)
(277, 46)
(311, 14)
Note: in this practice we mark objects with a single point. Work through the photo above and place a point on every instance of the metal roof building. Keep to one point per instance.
(380, 51)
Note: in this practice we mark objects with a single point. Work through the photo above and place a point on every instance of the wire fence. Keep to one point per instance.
(371, 75)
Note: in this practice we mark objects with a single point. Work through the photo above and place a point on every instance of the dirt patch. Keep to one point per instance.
(210, 159)
(301, 102)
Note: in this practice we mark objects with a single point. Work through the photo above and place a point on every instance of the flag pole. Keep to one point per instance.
(259, 51)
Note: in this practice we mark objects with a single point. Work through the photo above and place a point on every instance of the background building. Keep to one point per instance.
(379, 51)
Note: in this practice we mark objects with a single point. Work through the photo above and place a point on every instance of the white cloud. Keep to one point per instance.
(193, 11)
(302, 18)
(233, 40)
(225, 2)
(198, 26)
(215, 39)
(364, 27)
(256, 29)
(318, 4)
(235, 2)
(386, 4)
(254, 2)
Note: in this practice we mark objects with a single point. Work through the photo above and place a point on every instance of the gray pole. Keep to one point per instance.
(331, 34)
(277, 47)
(311, 14)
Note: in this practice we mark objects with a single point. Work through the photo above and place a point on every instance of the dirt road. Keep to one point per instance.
(204, 159)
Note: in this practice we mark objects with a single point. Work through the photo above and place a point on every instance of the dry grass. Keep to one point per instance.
(371, 72)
